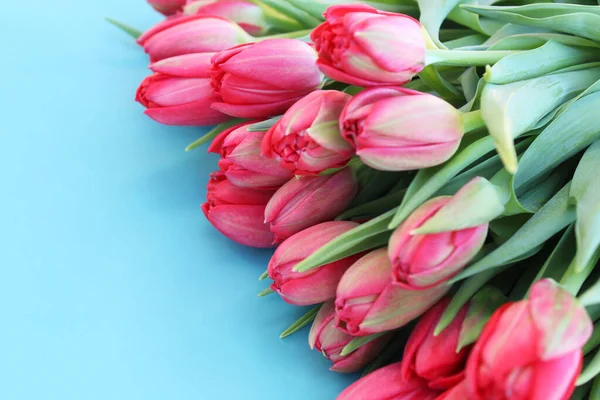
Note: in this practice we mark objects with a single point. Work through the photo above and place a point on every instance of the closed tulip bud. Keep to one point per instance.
(458, 392)
(362, 46)
(389, 383)
(167, 7)
(179, 92)
(309, 200)
(242, 162)
(434, 358)
(330, 341)
(319, 284)
(259, 80)
(397, 129)
(422, 261)
(531, 349)
(191, 34)
(246, 14)
(238, 212)
(307, 139)
(367, 302)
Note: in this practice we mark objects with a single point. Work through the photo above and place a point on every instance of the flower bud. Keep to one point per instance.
(397, 129)
(167, 7)
(330, 341)
(309, 200)
(242, 162)
(260, 80)
(423, 261)
(367, 302)
(319, 284)
(362, 46)
(190, 35)
(307, 139)
(179, 92)
(238, 212)
(247, 15)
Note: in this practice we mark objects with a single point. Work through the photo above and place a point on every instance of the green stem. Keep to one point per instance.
(465, 58)
(573, 280)
(131, 31)
(472, 121)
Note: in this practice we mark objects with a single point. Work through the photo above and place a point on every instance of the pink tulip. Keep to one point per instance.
(397, 129)
(531, 349)
(242, 162)
(167, 7)
(238, 212)
(362, 46)
(191, 34)
(179, 92)
(307, 139)
(319, 284)
(434, 358)
(367, 302)
(458, 392)
(389, 383)
(309, 200)
(259, 80)
(422, 261)
(330, 342)
(246, 14)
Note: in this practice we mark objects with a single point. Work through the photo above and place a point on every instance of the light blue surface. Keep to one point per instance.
(112, 285)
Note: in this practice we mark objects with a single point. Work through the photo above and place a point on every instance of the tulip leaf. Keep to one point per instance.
(134, 33)
(502, 106)
(581, 392)
(374, 207)
(485, 26)
(576, 275)
(358, 342)
(433, 14)
(481, 308)
(591, 370)
(504, 228)
(263, 126)
(554, 216)
(264, 275)
(266, 292)
(375, 184)
(391, 351)
(301, 322)
(428, 181)
(594, 341)
(533, 40)
(595, 390)
(557, 263)
(568, 18)
(585, 192)
(289, 10)
(432, 78)
(548, 58)
(474, 101)
(214, 132)
(484, 169)
(464, 42)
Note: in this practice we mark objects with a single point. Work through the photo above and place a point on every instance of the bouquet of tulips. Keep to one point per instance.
(428, 170)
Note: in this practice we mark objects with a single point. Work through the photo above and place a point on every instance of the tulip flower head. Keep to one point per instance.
(316, 285)
(330, 341)
(260, 80)
(247, 15)
(179, 92)
(237, 212)
(167, 7)
(307, 139)
(242, 162)
(397, 129)
(362, 46)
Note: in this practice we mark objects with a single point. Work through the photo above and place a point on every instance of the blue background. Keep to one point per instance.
(112, 284)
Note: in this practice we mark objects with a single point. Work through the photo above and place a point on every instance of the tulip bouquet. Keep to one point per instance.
(426, 169)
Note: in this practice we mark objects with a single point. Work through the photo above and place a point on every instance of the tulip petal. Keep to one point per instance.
(242, 224)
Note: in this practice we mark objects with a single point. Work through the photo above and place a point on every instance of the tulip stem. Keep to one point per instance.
(464, 58)
(472, 121)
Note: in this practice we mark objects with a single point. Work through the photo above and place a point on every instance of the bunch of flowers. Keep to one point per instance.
(427, 172)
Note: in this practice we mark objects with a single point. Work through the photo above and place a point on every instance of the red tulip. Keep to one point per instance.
(362, 46)
(319, 284)
(307, 139)
(179, 92)
(167, 7)
(309, 200)
(434, 358)
(397, 129)
(191, 34)
(389, 383)
(531, 349)
(458, 392)
(242, 162)
(237, 212)
(367, 302)
(330, 341)
(260, 80)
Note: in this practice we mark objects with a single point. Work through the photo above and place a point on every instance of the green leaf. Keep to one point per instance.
(263, 126)
(590, 371)
(263, 276)
(391, 351)
(266, 292)
(594, 341)
(485, 168)
(574, 19)
(134, 33)
(554, 216)
(302, 322)
(481, 308)
(485, 26)
(433, 14)
(502, 106)
(595, 390)
(358, 342)
(375, 184)
(466, 41)
(214, 132)
(432, 78)
(585, 192)
(290, 11)
(504, 228)
(374, 207)
(560, 258)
